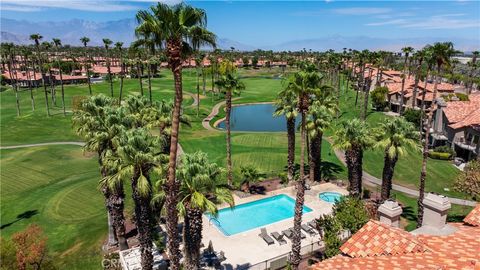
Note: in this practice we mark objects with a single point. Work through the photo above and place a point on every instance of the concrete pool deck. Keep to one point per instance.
(247, 248)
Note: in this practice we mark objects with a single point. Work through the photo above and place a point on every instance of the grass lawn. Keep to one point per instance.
(58, 185)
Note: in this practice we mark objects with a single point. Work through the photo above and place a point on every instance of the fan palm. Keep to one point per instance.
(58, 43)
(354, 137)
(231, 84)
(395, 134)
(118, 47)
(182, 28)
(441, 55)
(286, 104)
(199, 192)
(85, 41)
(36, 38)
(99, 123)
(107, 43)
(136, 158)
(407, 51)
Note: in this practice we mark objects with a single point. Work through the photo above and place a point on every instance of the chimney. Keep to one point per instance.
(389, 213)
(435, 210)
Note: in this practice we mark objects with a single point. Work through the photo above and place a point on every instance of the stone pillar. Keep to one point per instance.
(435, 210)
(389, 213)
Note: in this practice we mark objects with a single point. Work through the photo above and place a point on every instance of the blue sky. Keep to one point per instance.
(273, 22)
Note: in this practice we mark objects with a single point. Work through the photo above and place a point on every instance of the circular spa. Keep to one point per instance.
(330, 197)
(256, 117)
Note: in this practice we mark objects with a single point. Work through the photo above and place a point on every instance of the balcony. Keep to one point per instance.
(464, 144)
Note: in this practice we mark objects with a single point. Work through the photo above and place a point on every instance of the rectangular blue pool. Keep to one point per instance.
(255, 214)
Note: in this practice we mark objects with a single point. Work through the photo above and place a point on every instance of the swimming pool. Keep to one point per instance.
(255, 214)
(331, 197)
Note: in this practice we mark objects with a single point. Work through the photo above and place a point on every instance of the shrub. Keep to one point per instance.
(444, 149)
(413, 116)
(77, 102)
(469, 180)
(462, 97)
(440, 155)
(379, 96)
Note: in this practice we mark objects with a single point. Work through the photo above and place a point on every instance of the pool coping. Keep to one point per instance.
(256, 228)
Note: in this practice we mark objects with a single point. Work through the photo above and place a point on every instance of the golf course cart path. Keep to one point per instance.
(371, 180)
(41, 144)
(195, 99)
(179, 148)
(213, 113)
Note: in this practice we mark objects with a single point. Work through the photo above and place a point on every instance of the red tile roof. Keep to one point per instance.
(457, 251)
(376, 238)
(474, 217)
(463, 113)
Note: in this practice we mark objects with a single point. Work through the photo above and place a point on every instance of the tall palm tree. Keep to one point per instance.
(395, 134)
(137, 158)
(231, 84)
(85, 41)
(419, 57)
(100, 123)
(473, 65)
(36, 38)
(11, 55)
(118, 47)
(58, 43)
(407, 51)
(107, 43)
(25, 52)
(354, 137)
(321, 114)
(441, 55)
(46, 46)
(303, 83)
(286, 104)
(183, 29)
(199, 192)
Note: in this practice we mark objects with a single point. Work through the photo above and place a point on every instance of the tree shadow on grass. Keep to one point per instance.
(25, 215)
(409, 214)
(329, 170)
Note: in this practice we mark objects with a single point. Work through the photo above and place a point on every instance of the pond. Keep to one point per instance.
(256, 117)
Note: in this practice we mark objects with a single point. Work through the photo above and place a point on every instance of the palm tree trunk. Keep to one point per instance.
(43, 80)
(52, 88)
(110, 79)
(353, 158)
(116, 202)
(87, 72)
(143, 214)
(63, 90)
(14, 82)
(387, 175)
(204, 81)
(198, 91)
(299, 201)
(25, 62)
(316, 159)
(291, 149)
(174, 48)
(228, 109)
(122, 71)
(149, 74)
(192, 237)
(139, 74)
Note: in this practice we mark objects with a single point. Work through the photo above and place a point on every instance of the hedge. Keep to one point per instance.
(439, 155)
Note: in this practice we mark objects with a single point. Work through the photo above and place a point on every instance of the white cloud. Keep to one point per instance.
(444, 21)
(84, 5)
(361, 11)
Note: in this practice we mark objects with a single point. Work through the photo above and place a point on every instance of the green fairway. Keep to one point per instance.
(59, 185)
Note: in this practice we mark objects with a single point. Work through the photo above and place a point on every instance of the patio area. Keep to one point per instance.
(247, 248)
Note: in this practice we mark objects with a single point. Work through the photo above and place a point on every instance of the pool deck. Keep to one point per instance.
(247, 248)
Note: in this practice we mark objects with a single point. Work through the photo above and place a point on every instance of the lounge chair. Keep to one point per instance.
(312, 224)
(264, 235)
(289, 233)
(279, 238)
(308, 229)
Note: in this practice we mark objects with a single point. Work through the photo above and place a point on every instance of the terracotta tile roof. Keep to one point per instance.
(474, 217)
(376, 238)
(457, 251)
(463, 113)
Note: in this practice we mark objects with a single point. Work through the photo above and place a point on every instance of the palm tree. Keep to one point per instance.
(118, 46)
(321, 114)
(250, 175)
(107, 43)
(11, 55)
(419, 57)
(473, 65)
(85, 41)
(302, 83)
(441, 54)
(406, 51)
(354, 137)
(198, 193)
(100, 123)
(230, 82)
(286, 104)
(395, 134)
(137, 157)
(46, 46)
(183, 29)
(26, 53)
(36, 38)
(57, 43)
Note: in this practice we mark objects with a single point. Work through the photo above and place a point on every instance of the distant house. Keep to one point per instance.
(457, 123)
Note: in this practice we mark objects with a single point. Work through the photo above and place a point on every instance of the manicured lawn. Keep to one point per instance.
(57, 188)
